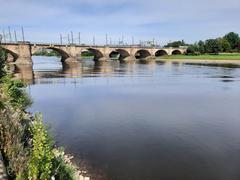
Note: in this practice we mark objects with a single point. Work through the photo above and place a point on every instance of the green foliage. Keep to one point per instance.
(40, 164)
(87, 54)
(14, 138)
(24, 141)
(201, 47)
(228, 44)
(226, 47)
(213, 46)
(238, 46)
(193, 50)
(2, 62)
(15, 92)
(228, 56)
(47, 53)
(233, 39)
(64, 170)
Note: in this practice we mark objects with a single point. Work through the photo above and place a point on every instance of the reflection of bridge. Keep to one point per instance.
(83, 69)
(23, 51)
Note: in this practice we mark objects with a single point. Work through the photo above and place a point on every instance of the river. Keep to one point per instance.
(142, 121)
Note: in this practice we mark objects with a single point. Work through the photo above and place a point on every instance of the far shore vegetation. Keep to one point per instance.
(222, 48)
(50, 53)
(46, 52)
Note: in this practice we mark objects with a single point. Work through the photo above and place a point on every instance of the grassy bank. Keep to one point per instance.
(204, 57)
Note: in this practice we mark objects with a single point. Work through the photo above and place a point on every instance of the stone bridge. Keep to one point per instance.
(22, 52)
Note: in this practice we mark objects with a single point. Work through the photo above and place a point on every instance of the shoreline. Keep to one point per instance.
(207, 61)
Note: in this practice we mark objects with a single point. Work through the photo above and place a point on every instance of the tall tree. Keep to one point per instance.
(213, 46)
(226, 47)
(201, 47)
(233, 39)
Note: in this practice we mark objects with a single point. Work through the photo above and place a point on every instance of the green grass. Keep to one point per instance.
(233, 56)
(87, 56)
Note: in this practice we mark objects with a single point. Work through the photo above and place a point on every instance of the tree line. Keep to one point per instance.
(230, 43)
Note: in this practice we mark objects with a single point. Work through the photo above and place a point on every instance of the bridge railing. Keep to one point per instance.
(82, 45)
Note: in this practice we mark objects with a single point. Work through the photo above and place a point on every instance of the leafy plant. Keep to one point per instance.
(40, 164)
(14, 90)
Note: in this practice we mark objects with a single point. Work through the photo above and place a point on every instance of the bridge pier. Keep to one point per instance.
(129, 58)
(24, 54)
(70, 60)
(105, 58)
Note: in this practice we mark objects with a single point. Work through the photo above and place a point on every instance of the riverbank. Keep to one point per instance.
(27, 149)
(233, 56)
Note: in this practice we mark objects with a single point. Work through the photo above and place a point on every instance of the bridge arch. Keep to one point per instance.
(142, 54)
(120, 54)
(176, 52)
(61, 52)
(97, 54)
(161, 52)
(13, 56)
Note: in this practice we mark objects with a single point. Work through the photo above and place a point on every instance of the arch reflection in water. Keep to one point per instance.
(51, 67)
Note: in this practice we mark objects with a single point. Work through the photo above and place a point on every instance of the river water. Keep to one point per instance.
(142, 121)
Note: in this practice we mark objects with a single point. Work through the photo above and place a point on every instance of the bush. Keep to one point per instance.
(40, 164)
(62, 166)
(14, 139)
(14, 92)
(25, 143)
(2, 62)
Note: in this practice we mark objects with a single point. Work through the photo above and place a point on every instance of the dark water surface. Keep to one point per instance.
(143, 121)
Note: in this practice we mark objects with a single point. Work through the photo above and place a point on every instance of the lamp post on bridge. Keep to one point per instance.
(79, 38)
(9, 33)
(15, 34)
(94, 40)
(4, 36)
(106, 39)
(61, 39)
(72, 36)
(68, 39)
(23, 36)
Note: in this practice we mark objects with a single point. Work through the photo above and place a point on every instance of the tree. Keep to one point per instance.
(226, 47)
(193, 50)
(201, 47)
(213, 46)
(238, 46)
(233, 39)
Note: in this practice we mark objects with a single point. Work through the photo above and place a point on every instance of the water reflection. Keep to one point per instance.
(51, 67)
(23, 72)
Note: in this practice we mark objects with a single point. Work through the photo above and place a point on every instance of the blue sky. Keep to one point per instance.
(164, 20)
